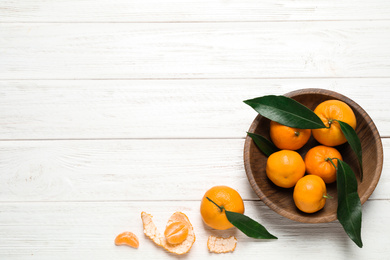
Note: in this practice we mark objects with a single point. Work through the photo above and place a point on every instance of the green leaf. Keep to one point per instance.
(248, 226)
(354, 142)
(286, 111)
(349, 209)
(266, 146)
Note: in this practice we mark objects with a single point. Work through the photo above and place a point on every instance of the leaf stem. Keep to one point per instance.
(327, 196)
(330, 121)
(221, 208)
(331, 161)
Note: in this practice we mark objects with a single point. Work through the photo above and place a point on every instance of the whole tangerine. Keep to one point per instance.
(288, 138)
(284, 168)
(310, 194)
(329, 111)
(321, 161)
(225, 197)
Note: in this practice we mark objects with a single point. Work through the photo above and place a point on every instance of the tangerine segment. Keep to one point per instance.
(127, 238)
(151, 231)
(288, 138)
(225, 197)
(221, 245)
(176, 232)
(317, 161)
(329, 111)
(310, 194)
(284, 168)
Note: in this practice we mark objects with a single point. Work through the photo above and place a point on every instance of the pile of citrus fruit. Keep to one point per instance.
(222, 207)
(286, 168)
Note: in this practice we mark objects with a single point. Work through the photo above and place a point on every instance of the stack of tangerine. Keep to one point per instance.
(286, 168)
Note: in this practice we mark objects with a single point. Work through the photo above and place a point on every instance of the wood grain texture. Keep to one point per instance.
(87, 231)
(108, 108)
(77, 109)
(281, 199)
(119, 170)
(195, 50)
(189, 11)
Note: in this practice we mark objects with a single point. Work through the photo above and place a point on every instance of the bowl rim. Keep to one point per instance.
(323, 219)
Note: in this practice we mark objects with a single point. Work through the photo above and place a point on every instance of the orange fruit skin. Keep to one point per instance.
(288, 138)
(316, 163)
(333, 110)
(284, 168)
(223, 196)
(151, 231)
(127, 238)
(309, 194)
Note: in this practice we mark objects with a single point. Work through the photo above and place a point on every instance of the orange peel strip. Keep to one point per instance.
(159, 239)
(221, 245)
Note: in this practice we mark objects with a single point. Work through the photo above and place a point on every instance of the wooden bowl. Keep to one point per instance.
(280, 199)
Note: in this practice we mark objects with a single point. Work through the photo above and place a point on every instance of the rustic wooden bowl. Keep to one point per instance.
(280, 199)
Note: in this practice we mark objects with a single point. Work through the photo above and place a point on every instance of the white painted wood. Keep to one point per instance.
(60, 109)
(188, 11)
(195, 50)
(87, 231)
(109, 108)
(129, 170)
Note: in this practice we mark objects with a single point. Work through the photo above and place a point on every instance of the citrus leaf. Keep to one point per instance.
(286, 111)
(354, 142)
(248, 226)
(266, 146)
(349, 209)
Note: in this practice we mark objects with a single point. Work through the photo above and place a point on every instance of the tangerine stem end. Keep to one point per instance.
(221, 208)
(327, 196)
(331, 161)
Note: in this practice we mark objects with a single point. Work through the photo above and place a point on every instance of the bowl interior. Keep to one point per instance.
(280, 199)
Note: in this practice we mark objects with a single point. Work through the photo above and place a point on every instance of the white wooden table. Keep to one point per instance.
(110, 108)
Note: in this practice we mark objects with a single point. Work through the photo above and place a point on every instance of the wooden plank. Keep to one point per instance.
(118, 170)
(87, 231)
(61, 109)
(194, 50)
(199, 10)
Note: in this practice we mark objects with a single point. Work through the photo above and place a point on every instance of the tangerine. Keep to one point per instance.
(127, 238)
(226, 198)
(329, 111)
(288, 138)
(152, 232)
(310, 194)
(321, 161)
(284, 168)
(176, 232)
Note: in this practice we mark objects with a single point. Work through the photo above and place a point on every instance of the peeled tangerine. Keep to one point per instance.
(221, 245)
(179, 234)
(176, 233)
